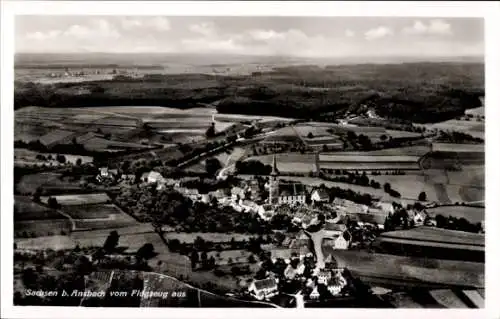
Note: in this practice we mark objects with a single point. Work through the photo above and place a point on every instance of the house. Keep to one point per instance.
(263, 289)
(417, 217)
(152, 177)
(336, 284)
(320, 195)
(387, 208)
(314, 294)
(336, 236)
(324, 276)
(191, 193)
(266, 212)
(105, 173)
(237, 193)
(291, 193)
(127, 178)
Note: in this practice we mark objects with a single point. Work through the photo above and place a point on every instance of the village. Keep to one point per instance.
(305, 274)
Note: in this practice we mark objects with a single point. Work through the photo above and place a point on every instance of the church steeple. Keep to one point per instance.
(274, 171)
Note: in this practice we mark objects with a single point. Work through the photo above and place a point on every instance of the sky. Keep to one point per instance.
(289, 36)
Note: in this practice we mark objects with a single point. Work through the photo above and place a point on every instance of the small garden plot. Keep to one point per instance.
(25, 209)
(79, 199)
(92, 211)
(113, 223)
(472, 213)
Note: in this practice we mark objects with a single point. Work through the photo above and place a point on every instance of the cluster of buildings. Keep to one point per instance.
(328, 280)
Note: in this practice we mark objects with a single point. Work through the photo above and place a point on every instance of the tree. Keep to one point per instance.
(212, 165)
(147, 251)
(383, 137)
(422, 197)
(387, 187)
(210, 131)
(204, 259)
(111, 241)
(61, 158)
(52, 202)
(194, 259)
(199, 243)
(79, 161)
(251, 259)
(310, 135)
(37, 194)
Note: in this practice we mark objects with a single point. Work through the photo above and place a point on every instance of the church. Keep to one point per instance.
(284, 193)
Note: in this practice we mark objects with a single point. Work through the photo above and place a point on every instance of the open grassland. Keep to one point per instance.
(471, 127)
(37, 228)
(471, 213)
(29, 183)
(458, 148)
(290, 162)
(80, 199)
(409, 186)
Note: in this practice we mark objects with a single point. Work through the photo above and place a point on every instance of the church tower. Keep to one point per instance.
(273, 183)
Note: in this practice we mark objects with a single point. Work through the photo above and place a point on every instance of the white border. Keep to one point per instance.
(488, 10)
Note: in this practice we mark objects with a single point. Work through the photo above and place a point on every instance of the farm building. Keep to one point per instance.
(336, 236)
(433, 242)
(320, 195)
(329, 163)
(152, 177)
(263, 289)
(291, 193)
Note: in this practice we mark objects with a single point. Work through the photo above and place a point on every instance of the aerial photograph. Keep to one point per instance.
(249, 161)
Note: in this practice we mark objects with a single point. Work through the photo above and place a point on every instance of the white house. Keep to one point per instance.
(337, 236)
(263, 289)
(386, 207)
(152, 177)
(324, 277)
(320, 196)
(314, 293)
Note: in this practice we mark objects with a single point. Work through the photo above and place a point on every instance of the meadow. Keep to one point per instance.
(473, 214)
(290, 162)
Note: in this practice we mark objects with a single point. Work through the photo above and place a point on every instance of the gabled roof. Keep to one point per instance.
(322, 193)
(265, 283)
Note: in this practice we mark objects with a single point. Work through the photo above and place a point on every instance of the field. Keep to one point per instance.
(450, 187)
(283, 135)
(37, 228)
(215, 237)
(27, 157)
(48, 181)
(79, 199)
(472, 214)
(290, 162)
(472, 127)
(368, 162)
(25, 209)
(406, 271)
(409, 186)
(458, 148)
